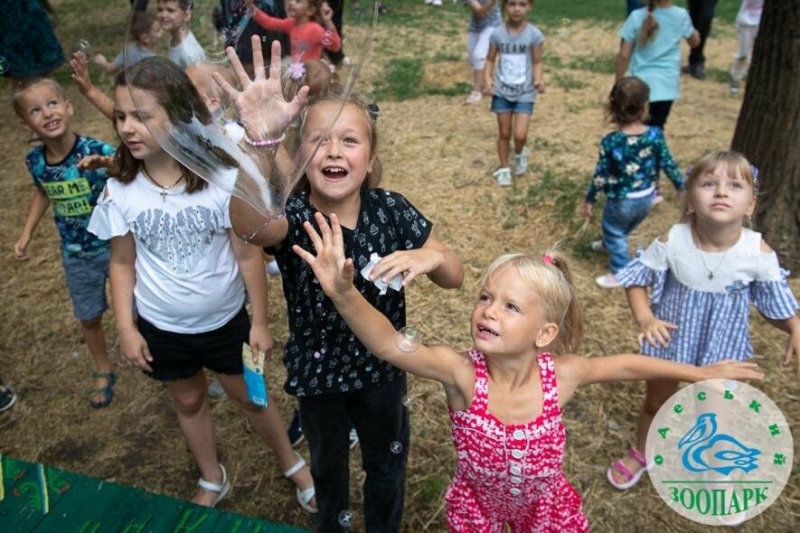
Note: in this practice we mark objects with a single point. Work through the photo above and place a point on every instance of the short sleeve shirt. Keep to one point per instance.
(131, 55)
(492, 18)
(187, 53)
(513, 78)
(73, 193)
(658, 63)
(322, 355)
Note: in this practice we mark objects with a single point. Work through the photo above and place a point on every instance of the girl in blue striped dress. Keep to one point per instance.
(703, 276)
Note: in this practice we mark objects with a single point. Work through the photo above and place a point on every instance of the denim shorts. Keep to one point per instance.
(501, 105)
(86, 281)
(182, 355)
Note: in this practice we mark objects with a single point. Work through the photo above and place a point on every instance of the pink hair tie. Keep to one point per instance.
(547, 258)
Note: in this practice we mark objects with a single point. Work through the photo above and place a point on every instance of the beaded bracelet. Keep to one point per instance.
(261, 143)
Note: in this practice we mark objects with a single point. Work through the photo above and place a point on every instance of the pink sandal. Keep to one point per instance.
(631, 479)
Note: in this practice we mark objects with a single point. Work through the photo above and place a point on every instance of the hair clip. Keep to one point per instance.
(297, 70)
(547, 258)
(754, 170)
(374, 111)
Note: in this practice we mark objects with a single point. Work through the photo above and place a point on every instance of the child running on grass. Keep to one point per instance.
(505, 395)
(336, 379)
(703, 275)
(174, 261)
(627, 172)
(516, 48)
(42, 106)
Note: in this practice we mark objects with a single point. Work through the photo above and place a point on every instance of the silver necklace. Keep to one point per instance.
(164, 190)
(721, 262)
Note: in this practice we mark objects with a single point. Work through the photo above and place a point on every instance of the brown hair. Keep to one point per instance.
(548, 275)
(736, 164)
(316, 74)
(338, 93)
(141, 23)
(172, 90)
(25, 85)
(650, 25)
(628, 101)
(185, 5)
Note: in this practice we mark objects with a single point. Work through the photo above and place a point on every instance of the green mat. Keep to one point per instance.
(40, 498)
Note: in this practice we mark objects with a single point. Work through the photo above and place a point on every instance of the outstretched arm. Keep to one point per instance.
(39, 204)
(653, 330)
(335, 275)
(251, 264)
(80, 73)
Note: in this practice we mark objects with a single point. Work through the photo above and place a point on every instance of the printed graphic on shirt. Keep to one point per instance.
(180, 240)
(513, 67)
(70, 198)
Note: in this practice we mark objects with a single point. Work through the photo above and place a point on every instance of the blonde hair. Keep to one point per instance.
(549, 277)
(736, 165)
(22, 88)
(649, 26)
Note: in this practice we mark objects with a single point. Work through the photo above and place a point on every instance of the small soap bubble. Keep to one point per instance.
(407, 402)
(345, 519)
(317, 355)
(396, 447)
(85, 48)
(4, 65)
(407, 339)
(75, 354)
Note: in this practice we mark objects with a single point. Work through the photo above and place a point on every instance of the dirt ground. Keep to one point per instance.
(440, 154)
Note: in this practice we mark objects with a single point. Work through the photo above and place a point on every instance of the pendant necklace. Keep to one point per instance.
(164, 190)
(721, 262)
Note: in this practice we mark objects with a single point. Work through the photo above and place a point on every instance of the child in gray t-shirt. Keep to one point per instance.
(516, 48)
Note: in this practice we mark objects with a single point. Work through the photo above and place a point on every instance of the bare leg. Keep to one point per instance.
(269, 426)
(194, 418)
(477, 81)
(503, 138)
(657, 393)
(521, 123)
(93, 334)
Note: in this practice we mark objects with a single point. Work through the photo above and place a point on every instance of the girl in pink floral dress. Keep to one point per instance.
(505, 395)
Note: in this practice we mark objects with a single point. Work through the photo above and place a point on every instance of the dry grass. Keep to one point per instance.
(440, 154)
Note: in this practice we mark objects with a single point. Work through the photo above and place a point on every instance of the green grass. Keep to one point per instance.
(566, 81)
(603, 64)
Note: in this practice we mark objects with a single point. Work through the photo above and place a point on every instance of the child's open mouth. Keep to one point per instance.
(52, 125)
(484, 331)
(334, 173)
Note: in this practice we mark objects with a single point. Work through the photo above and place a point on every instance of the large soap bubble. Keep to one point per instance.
(247, 141)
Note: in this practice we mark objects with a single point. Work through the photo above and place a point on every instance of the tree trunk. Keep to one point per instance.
(768, 129)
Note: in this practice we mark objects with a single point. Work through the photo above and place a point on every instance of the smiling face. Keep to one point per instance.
(300, 9)
(138, 122)
(171, 16)
(509, 317)
(721, 196)
(45, 111)
(344, 152)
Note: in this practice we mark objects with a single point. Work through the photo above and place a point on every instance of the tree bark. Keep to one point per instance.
(768, 129)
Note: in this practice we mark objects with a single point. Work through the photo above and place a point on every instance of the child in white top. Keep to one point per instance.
(505, 396)
(484, 18)
(173, 259)
(704, 275)
(747, 22)
(517, 48)
(175, 15)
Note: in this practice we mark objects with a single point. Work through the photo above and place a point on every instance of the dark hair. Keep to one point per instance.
(25, 85)
(650, 25)
(173, 90)
(338, 93)
(141, 22)
(185, 5)
(627, 101)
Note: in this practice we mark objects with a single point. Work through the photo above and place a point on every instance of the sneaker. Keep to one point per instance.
(7, 399)
(733, 88)
(521, 162)
(353, 438)
(273, 270)
(656, 198)
(608, 281)
(503, 176)
(295, 432)
(598, 246)
(698, 71)
(474, 98)
(215, 389)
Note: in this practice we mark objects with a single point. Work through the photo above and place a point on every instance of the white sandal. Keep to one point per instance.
(222, 489)
(304, 496)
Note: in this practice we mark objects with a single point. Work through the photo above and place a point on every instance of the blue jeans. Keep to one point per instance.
(620, 218)
(381, 421)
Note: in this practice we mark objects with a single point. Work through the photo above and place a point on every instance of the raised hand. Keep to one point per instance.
(262, 107)
(333, 271)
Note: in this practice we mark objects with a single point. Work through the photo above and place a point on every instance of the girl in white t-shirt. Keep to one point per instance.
(173, 259)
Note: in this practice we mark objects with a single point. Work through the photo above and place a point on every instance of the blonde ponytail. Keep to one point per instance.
(649, 26)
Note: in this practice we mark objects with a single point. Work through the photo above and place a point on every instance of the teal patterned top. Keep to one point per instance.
(630, 163)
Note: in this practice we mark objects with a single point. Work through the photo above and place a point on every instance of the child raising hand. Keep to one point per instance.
(505, 395)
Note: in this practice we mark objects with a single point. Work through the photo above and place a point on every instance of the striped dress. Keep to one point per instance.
(708, 295)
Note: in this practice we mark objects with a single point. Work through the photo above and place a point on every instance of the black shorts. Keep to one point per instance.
(182, 355)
